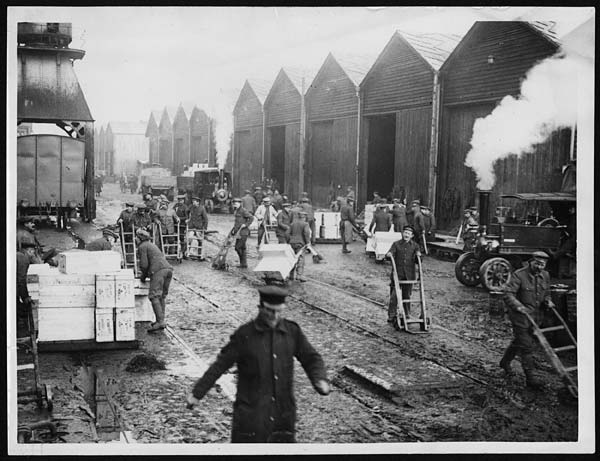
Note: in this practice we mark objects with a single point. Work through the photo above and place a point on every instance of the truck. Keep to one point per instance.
(156, 180)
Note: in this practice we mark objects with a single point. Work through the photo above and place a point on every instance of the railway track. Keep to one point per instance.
(344, 383)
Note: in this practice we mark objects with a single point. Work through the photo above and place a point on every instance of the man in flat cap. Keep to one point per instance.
(150, 202)
(104, 243)
(197, 216)
(266, 216)
(264, 349)
(528, 291)
(417, 222)
(241, 226)
(154, 265)
(376, 198)
(284, 223)
(25, 256)
(306, 206)
(405, 253)
(399, 215)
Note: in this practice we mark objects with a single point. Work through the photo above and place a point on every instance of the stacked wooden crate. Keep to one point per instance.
(143, 307)
(88, 297)
(327, 225)
(115, 306)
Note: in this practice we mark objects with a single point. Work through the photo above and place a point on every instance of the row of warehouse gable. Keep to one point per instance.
(398, 123)
(171, 138)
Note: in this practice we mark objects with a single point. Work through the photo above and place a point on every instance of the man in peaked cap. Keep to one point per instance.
(104, 243)
(284, 223)
(126, 216)
(299, 237)
(264, 349)
(527, 292)
(266, 216)
(248, 201)
(241, 229)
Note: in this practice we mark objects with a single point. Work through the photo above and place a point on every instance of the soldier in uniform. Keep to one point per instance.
(528, 290)
(104, 243)
(263, 350)
(429, 223)
(26, 255)
(382, 220)
(405, 254)
(258, 195)
(141, 219)
(154, 265)
(197, 216)
(243, 218)
(417, 221)
(26, 234)
(376, 198)
(347, 220)
(284, 221)
(182, 210)
(310, 217)
(150, 202)
(300, 236)
(470, 229)
(126, 216)
(248, 201)
(166, 219)
(399, 215)
(277, 200)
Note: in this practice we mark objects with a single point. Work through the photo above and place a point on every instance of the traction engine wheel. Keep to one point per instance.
(466, 269)
(495, 274)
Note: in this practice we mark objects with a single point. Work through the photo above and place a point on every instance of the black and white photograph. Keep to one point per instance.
(300, 230)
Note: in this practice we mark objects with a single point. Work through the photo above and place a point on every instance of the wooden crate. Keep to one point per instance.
(105, 291)
(105, 325)
(84, 298)
(124, 324)
(66, 323)
(124, 289)
(88, 262)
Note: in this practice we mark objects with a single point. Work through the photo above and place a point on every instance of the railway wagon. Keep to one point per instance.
(50, 177)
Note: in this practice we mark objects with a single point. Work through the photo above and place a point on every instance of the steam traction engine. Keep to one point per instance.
(505, 244)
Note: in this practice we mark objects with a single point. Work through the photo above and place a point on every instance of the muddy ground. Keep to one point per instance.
(388, 386)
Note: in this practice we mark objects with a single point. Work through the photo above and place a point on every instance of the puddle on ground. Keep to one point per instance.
(98, 390)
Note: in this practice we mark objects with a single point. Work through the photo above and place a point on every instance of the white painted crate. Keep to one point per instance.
(105, 325)
(124, 289)
(328, 222)
(66, 323)
(105, 291)
(140, 288)
(79, 299)
(88, 262)
(143, 309)
(124, 324)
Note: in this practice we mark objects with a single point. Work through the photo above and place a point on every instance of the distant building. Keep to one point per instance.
(126, 143)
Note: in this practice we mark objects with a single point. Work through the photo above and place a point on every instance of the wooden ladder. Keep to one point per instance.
(129, 248)
(552, 352)
(403, 321)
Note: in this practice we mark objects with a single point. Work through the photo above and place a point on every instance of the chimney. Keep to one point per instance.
(484, 210)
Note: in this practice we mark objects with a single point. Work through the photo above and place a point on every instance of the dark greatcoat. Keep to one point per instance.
(382, 221)
(405, 257)
(264, 409)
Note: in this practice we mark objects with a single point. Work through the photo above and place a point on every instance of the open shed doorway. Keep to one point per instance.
(278, 156)
(381, 154)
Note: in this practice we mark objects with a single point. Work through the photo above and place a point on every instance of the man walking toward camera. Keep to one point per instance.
(264, 349)
(528, 291)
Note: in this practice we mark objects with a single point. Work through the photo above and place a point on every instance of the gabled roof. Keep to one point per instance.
(127, 127)
(434, 47)
(356, 66)
(157, 114)
(296, 74)
(188, 108)
(546, 29)
(260, 87)
(153, 122)
(170, 112)
(478, 24)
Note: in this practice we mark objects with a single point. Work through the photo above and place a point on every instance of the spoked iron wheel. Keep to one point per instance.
(495, 274)
(466, 269)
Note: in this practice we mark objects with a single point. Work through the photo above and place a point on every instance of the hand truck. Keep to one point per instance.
(170, 250)
(403, 320)
(193, 243)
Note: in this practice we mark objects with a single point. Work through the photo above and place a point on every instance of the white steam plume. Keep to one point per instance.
(222, 114)
(548, 101)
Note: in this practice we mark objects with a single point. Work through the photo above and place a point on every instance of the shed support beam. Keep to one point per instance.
(434, 149)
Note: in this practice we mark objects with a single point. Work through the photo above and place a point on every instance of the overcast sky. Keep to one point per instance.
(143, 58)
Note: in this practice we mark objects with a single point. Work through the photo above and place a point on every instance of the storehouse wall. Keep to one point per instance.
(199, 137)
(247, 159)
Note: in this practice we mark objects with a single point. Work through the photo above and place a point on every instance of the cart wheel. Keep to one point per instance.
(466, 269)
(495, 274)
(48, 397)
